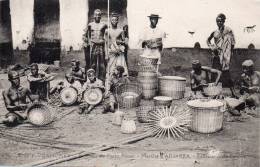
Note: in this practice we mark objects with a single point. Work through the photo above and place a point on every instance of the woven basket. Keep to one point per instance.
(151, 68)
(206, 117)
(147, 61)
(69, 96)
(172, 86)
(212, 90)
(39, 114)
(124, 93)
(142, 113)
(162, 101)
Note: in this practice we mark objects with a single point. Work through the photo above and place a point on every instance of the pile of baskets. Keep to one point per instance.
(128, 95)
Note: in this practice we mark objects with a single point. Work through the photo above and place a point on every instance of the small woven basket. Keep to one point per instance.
(142, 112)
(128, 95)
(162, 101)
(212, 90)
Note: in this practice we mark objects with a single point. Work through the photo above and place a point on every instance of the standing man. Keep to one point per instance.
(115, 46)
(15, 100)
(222, 49)
(152, 39)
(94, 39)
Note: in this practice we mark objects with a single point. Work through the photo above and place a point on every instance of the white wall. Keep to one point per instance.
(181, 16)
(73, 20)
(178, 17)
(22, 22)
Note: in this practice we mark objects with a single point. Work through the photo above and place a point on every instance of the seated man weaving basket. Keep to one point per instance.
(15, 100)
(250, 84)
(39, 82)
(116, 79)
(76, 73)
(200, 78)
(92, 83)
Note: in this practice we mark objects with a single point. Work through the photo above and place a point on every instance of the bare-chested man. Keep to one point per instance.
(200, 77)
(94, 38)
(250, 84)
(15, 100)
(76, 73)
(39, 82)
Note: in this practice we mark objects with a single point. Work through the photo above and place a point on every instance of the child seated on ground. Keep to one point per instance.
(92, 83)
(112, 82)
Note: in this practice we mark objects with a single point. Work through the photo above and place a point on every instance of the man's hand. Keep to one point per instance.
(23, 106)
(204, 85)
(254, 89)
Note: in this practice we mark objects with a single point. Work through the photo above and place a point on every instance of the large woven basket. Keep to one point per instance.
(149, 82)
(172, 86)
(128, 95)
(207, 115)
(39, 114)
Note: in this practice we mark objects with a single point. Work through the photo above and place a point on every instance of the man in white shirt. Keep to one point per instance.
(152, 39)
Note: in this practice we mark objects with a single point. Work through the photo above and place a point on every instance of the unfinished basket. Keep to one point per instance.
(128, 95)
(212, 90)
(39, 114)
(69, 96)
(168, 122)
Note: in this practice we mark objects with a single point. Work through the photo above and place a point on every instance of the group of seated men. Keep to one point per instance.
(18, 98)
(81, 80)
(16, 102)
(249, 81)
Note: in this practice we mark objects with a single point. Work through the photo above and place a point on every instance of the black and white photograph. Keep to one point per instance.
(129, 83)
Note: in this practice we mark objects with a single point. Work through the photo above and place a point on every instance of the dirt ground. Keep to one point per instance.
(237, 144)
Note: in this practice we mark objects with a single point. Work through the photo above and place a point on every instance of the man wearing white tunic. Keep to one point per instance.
(115, 47)
(152, 39)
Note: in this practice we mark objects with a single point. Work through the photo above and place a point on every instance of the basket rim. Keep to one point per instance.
(170, 77)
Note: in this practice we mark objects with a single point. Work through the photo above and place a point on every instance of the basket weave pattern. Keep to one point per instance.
(172, 88)
(206, 120)
(131, 102)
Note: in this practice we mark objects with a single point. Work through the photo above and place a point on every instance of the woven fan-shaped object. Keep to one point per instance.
(39, 114)
(93, 96)
(69, 95)
(168, 122)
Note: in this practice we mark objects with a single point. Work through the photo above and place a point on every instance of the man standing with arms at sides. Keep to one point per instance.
(222, 48)
(94, 39)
